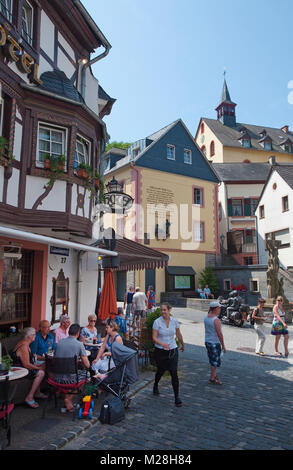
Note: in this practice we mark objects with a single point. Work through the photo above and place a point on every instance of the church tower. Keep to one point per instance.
(226, 109)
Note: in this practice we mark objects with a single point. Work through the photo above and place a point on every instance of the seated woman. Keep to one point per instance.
(23, 357)
(101, 363)
(90, 332)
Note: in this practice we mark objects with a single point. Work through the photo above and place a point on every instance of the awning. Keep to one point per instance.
(134, 256)
(20, 234)
(181, 271)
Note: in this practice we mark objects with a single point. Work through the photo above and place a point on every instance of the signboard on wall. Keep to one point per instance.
(182, 282)
(57, 250)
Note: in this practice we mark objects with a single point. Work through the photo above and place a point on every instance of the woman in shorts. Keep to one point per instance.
(214, 340)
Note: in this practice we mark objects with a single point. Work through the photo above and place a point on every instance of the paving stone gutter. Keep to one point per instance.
(79, 426)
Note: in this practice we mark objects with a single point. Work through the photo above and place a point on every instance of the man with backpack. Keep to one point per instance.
(257, 320)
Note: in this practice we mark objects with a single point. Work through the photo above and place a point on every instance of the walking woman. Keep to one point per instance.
(279, 327)
(259, 318)
(165, 328)
(214, 340)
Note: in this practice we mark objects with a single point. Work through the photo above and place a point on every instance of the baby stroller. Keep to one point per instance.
(119, 378)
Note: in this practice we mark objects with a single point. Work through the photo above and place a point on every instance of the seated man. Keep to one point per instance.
(44, 342)
(70, 347)
(207, 292)
(121, 322)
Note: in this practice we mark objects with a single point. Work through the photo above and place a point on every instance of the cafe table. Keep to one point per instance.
(15, 373)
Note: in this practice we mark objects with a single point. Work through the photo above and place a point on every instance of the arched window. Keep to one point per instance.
(202, 128)
(212, 148)
(203, 149)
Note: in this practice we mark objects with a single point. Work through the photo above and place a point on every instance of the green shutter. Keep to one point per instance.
(247, 207)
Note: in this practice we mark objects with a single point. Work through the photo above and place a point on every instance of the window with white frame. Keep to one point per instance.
(27, 22)
(198, 196)
(170, 152)
(51, 142)
(187, 156)
(82, 152)
(198, 231)
(6, 9)
(254, 285)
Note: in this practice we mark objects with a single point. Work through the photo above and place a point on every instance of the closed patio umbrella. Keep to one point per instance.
(108, 303)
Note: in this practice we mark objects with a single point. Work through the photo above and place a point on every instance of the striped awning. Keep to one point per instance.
(135, 256)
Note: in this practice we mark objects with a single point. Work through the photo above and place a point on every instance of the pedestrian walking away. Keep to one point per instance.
(214, 340)
(165, 328)
(279, 327)
(258, 317)
(139, 306)
(128, 301)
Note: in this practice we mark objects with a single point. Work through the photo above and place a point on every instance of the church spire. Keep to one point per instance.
(226, 109)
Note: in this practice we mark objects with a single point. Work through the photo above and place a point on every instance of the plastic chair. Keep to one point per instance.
(6, 408)
(64, 366)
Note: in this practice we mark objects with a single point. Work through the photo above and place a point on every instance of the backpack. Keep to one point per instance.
(112, 411)
(251, 320)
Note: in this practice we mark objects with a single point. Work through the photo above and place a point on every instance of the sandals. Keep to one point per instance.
(32, 404)
(215, 381)
(278, 354)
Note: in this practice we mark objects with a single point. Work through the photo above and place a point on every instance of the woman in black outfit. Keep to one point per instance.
(165, 329)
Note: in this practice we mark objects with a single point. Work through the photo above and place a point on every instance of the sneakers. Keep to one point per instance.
(178, 402)
(156, 390)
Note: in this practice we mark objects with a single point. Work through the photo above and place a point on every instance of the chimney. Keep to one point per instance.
(272, 160)
(285, 129)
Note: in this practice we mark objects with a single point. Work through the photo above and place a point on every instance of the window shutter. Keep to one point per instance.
(247, 207)
(230, 213)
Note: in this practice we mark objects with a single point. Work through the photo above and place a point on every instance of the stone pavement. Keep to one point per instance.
(252, 410)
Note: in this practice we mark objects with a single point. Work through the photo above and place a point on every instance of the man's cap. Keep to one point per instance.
(215, 304)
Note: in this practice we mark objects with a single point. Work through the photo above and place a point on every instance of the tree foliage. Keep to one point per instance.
(117, 145)
(207, 277)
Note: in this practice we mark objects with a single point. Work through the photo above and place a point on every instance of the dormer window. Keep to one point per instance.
(6, 9)
(287, 146)
(245, 143)
(135, 152)
(171, 152)
(266, 141)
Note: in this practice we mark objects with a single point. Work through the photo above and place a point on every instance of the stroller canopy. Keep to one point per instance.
(122, 355)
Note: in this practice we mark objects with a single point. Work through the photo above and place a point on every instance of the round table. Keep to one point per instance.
(15, 373)
(93, 345)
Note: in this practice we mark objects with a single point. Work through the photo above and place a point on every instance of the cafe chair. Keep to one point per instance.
(64, 366)
(6, 408)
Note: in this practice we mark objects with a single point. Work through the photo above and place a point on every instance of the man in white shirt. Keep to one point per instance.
(139, 305)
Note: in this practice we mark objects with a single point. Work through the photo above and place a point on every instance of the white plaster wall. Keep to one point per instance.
(17, 141)
(223, 224)
(91, 91)
(1, 182)
(244, 190)
(64, 64)
(70, 270)
(47, 39)
(275, 219)
(12, 190)
(44, 66)
(74, 201)
(56, 199)
(14, 68)
(66, 46)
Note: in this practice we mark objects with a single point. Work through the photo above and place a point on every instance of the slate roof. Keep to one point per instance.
(104, 96)
(242, 171)
(229, 136)
(286, 172)
(57, 82)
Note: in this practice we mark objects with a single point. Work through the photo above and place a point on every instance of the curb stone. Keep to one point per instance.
(84, 425)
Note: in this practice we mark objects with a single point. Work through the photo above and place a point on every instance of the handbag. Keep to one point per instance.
(112, 411)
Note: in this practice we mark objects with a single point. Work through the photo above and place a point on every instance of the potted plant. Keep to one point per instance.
(81, 171)
(96, 179)
(61, 162)
(47, 162)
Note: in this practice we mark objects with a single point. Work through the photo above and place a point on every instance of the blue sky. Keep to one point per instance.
(168, 57)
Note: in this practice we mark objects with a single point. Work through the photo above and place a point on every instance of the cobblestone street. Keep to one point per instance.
(252, 410)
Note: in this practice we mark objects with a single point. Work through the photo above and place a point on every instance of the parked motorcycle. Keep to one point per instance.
(233, 310)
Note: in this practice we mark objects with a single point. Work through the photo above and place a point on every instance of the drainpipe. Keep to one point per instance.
(88, 64)
(133, 167)
(78, 285)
